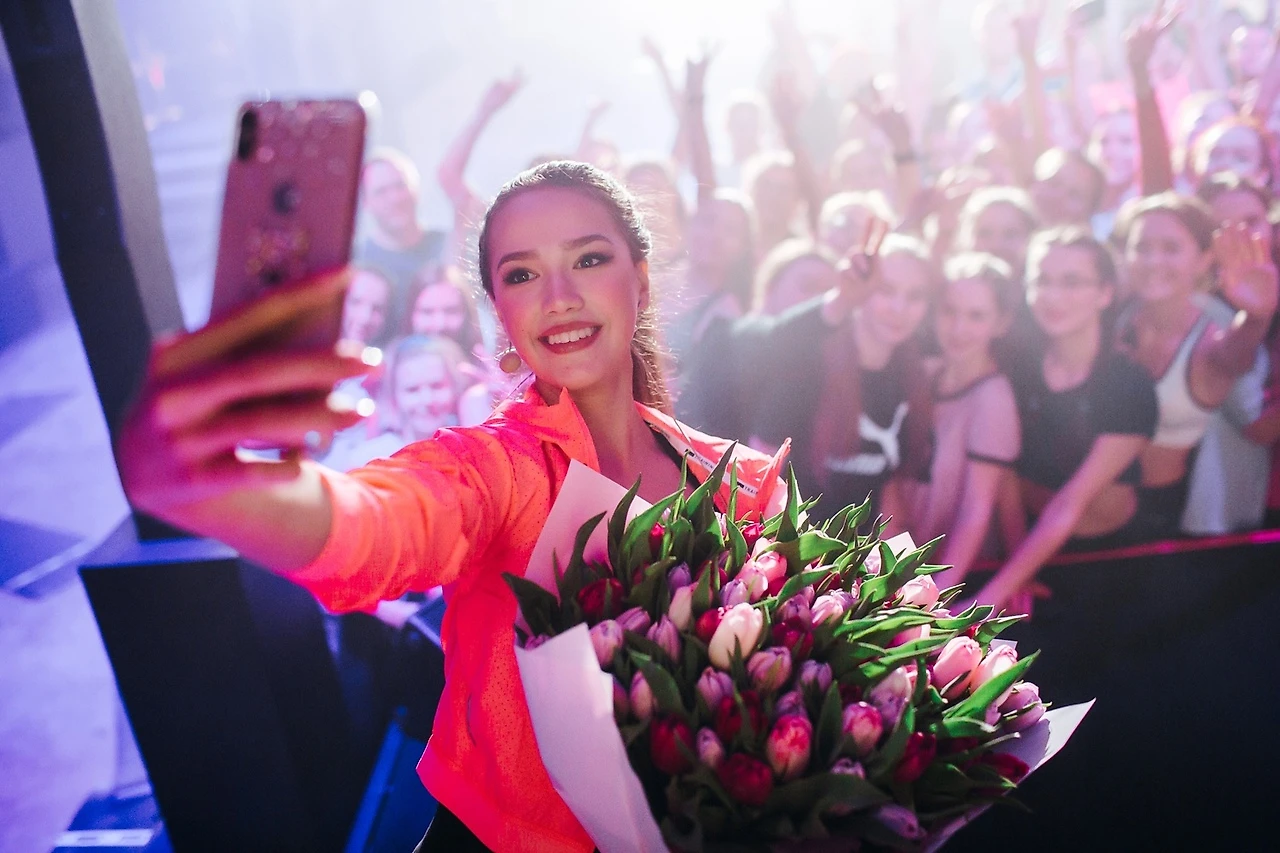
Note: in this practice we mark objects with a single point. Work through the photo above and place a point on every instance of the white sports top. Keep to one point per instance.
(1183, 421)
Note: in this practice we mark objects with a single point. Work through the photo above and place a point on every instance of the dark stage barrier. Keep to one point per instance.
(1179, 753)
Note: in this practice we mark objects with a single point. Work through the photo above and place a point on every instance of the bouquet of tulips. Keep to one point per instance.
(770, 681)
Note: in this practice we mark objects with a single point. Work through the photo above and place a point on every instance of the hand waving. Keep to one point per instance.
(1246, 274)
(501, 92)
(1141, 39)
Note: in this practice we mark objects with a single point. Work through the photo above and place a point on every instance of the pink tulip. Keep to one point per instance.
(830, 607)
(920, 592)
(791, 702)
(771, 564)
(864, 724)
(636, 619)
(769, 669)
(890, 696)
(667, 636)
(754, 580)
(710, 749)
(679, 576)
(681, 609)
(999, 659)
(956, 663)
(788, 746)
(621, 702)
(1024, 703)
(606, 639)
(910, 635)
(815, 675)
(740, 628)
(641, 697)
(714, 686)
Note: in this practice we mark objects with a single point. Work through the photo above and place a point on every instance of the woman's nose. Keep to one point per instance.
(561, 293)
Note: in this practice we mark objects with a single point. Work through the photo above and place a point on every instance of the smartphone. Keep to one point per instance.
(1087, 12)
(288, 211)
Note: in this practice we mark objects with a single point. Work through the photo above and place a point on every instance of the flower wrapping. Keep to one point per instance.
(677, 705)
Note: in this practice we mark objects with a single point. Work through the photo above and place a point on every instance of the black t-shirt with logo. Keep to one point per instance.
(1059, 427)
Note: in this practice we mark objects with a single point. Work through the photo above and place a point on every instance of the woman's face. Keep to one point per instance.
(799, 280)
(439, 310)
(968, 319)
(719, 235)
(1162, 259)
(1241, 207)
(424, 394)
(895, 309)
(1001, 230)
(1064, 291)
(1114, 147)
(1234, 149)
(566, 289)
(364, 310)
(1064, 190)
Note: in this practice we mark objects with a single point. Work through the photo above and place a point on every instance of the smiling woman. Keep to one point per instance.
(563, 255)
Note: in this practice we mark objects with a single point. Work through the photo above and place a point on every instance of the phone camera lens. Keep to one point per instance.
(247, 141)
(286, 198)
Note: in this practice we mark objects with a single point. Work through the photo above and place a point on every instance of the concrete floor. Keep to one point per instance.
(57, 694)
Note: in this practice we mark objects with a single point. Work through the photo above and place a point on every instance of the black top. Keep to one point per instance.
(1059, 427)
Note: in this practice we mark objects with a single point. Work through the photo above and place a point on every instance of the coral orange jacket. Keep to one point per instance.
(460, 510)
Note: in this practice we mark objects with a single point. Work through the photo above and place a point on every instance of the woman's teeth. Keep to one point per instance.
(571, 337)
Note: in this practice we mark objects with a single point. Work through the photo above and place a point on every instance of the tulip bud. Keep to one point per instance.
(754, 580)
(601, 599)
(890, 696)
(848, 767)
(769, 669)
(788, 746)
(992, 717)
(796, 635)
(713, 686)
(815, 675)
(535, 641)
(920, 592)
(710, 749)
(740, 628)
(955, 665)
(791, 702)
(671, 745)
(636, 619)
(735, 592)
(679, 576)
(873, 562)
(729, 715)
(656, 535)
(667, 636)
(999, 659)
(913, 674)
(641, 697)
(771, 564)
(795, 608)
(681, 609)
(606, 638)
(748, 780)
(621, 702)
(901, 821)
(1024, 703)
(864, 725)
(909, 635)
(751, 532)
(1010, 767)
(919, 754)
(705, 627)
(808, 593)
(830, 607)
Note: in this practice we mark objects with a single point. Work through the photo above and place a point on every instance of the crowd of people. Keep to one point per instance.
(1061, 281)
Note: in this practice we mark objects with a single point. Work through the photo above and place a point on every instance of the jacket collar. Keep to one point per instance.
(561, 424)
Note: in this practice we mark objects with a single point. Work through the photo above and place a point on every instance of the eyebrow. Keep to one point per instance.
(567, 245)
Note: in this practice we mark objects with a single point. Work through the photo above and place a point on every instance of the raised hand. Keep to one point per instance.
(1246, 275)
(695, 86)
(210, 391)
(501, 92)
(890, 118)
(1140, 40)
(859, 270)
(1026, 27)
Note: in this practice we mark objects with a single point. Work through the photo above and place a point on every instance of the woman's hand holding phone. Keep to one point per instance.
(209, 392)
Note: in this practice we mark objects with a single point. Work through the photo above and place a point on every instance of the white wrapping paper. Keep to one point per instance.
(571, 699)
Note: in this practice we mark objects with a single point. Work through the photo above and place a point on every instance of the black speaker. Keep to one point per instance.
(233, 695)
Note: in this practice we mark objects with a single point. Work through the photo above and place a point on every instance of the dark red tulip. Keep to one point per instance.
(707, 623)
(601, 599)
(671, 745)
(728, 721)
(920, 752)
(748, 780)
